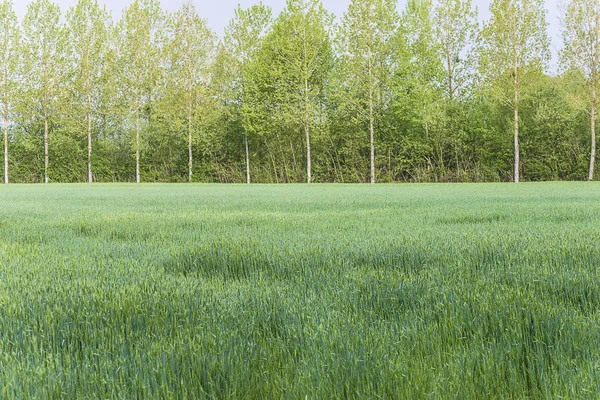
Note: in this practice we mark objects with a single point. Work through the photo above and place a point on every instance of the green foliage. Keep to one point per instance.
(44, 49)
(89, 67)
(387, 94)
(469, 291)
(582, 54)
(10, 65)
(514, 48)
(455, 32)
(366, 65)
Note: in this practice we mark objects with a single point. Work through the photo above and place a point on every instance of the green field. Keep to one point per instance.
(324, 291)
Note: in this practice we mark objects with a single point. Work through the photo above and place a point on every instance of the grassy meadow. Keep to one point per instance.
(325, 291)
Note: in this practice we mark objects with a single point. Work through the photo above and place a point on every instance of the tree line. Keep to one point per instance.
(422, 94)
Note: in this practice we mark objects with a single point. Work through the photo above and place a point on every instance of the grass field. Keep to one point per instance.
(403, 291)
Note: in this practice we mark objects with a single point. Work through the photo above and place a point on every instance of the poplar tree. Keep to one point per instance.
(581, 36)
(44, 45)
(455, 29)
(243, 39)
(191, 54)
(300, 56)
(141, 62)
(514, 51)
(88, 30)
(367, 62)
(9, 70)
(419, 68)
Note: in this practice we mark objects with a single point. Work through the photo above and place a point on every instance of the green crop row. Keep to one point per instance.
(324, 291)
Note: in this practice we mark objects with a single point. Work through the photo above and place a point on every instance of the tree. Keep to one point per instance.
(418, 70)
(88, 31)
(9, 69)
(191, 54)
(44, 44)
(141, 61)
(243, 39)
(366, 52)
(455, 29)
(514, 50)
(299, 54)
(582, 52)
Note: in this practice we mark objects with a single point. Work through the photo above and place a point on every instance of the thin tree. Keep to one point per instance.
(141, 62)
(9, 69)
(514, 51)
(191, 55)
(88, 33)
(300, 56)
(455, 28)
(243, 39)
(366, 52)
(44, 45)
(419, 70)
(581, 36)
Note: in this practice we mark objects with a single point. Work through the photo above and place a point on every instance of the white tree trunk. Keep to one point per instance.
(5, 149)
(593, 128)
(190, 149)
(308, 160)
(306, 110)
(247, 160)
(450, 80)
(137, 146)
(89, 118)
(371, 118)
(516, 114)
(46, 158)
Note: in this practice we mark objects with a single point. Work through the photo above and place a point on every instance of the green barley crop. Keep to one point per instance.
(324, 291)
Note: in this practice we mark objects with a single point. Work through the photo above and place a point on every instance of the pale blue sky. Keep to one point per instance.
(219, 12)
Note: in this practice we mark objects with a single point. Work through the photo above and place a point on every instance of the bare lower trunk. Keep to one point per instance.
(593, 128)
(308, 161)
(450, 83)
(46, 158)
(247, 161)
(516, 114)
(594, 76)
(190, 149)
(5, 150)
(372, 135)
(307, 129)
(137, 146)
(517, 145)
(371, 119)
(90, 178)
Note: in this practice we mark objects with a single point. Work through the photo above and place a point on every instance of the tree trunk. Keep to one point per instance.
(307, 129)
(371, 119)
(450, 83)
(46, 158)
(90, 178)
(516, 144)
(5, 149)
(190, 150)
(516, 116)
(308, 161)
(137, 146)
(593, 128)
(247, 160)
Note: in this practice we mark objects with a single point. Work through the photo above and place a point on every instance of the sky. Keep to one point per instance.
(219, 13)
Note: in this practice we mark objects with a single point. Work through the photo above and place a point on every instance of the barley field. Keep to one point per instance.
(324, 291)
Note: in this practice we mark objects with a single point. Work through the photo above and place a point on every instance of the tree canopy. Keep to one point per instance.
(379, 94)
